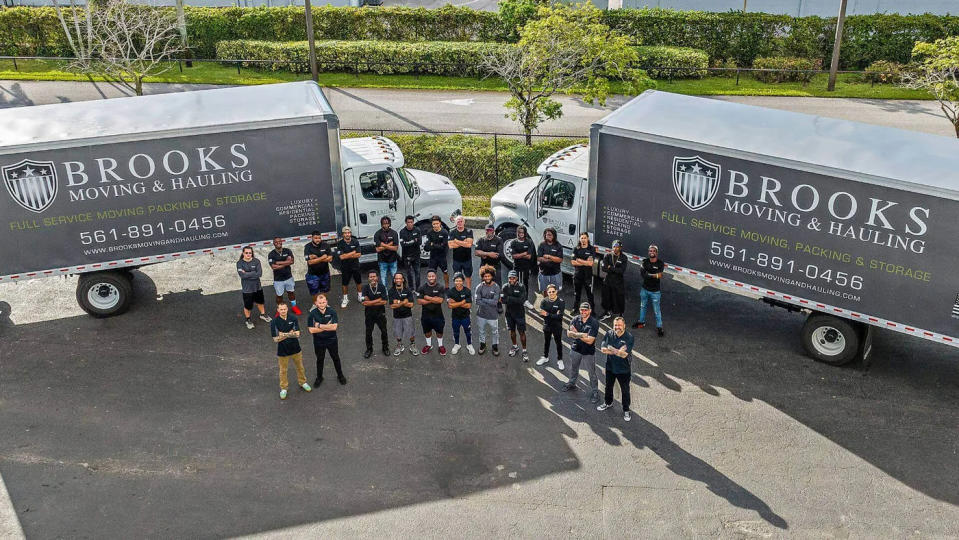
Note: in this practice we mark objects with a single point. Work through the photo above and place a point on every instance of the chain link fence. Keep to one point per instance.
(479, 164)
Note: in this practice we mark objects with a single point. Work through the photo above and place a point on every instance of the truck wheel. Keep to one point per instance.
(105, 294)
(829, 339)
(508, 234)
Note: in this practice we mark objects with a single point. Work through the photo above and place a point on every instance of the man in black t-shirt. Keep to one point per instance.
(286, 332)
(375, 298)
(583, 330)
(437, 242)
(614, 284)
(431, 296)
(322, 324)
(550, 257)
(460, 300)
(488, 249)
(281, 259)
(387, 244)
(348, 250)
(514, 296)
(318, 256)
(524, 258)
(402, 299)
(461, 242)
(652, 272)
(584, 254)
(411, 240)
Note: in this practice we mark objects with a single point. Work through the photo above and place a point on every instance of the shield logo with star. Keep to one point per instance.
(33, 184)
(696, 181)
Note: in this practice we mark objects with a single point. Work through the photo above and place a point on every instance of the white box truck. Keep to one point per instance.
(853, 224)
(102, 187)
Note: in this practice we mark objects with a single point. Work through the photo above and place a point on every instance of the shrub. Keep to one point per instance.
(728, 67)
(381, 57)
(692, 61)
(785, 69)
(884, 72)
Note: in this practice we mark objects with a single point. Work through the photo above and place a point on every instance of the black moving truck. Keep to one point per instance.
(854, 224)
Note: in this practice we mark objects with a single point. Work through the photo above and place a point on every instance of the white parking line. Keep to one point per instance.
(9, 524)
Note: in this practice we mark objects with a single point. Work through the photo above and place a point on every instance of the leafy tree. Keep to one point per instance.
(937, 72)
(564, 49)
(516, 13)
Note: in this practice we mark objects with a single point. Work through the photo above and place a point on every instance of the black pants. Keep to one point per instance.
(580, 283)
(375, 319)
(614, 297)
(320, 349)
(623, 380)
(554, 331)
(411, 270)
(524, 277)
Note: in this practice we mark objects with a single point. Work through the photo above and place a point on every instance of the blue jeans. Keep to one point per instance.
(646, 297)
(387, 271)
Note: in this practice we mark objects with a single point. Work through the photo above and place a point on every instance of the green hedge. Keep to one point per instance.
(790, 69)
(731, 35)
(694, 62)
(433, 57)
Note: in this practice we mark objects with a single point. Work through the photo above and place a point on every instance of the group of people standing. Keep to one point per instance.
(395, 286)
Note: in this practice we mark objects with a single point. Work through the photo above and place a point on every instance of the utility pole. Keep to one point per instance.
(181, 24)
(309, 38)
(834, 66)
(744, 5)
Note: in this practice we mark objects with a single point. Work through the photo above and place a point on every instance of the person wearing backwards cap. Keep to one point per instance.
(614, 284)
(583, 330)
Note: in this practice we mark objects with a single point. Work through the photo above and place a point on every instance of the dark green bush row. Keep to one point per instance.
(693, 62)
(460, 58)
(788, 69)
(732, 35)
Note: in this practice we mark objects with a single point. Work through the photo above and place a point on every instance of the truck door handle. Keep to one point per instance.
(363, 218)
(572, 228)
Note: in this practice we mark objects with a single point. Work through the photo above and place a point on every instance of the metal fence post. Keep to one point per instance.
(496, 160)
(15, 68)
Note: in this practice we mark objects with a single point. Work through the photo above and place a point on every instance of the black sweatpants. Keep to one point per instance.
(524, 277)
(411, 269)
(320, 349)
(614, 297)
(623, 380)
(580, 283)
(554, 331)
(375, 319)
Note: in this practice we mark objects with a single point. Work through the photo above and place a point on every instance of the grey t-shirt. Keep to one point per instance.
(250, 273)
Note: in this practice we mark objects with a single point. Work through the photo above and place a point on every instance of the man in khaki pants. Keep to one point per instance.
(286, 333)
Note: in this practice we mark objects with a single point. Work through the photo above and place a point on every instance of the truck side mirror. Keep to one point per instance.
(541, 212)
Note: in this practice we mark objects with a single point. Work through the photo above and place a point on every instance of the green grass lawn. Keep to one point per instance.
(848, 85)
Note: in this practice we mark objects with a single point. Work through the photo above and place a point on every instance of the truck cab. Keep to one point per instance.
(556, 197)
(377, 183)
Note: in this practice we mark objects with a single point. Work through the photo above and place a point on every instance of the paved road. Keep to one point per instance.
(165, 422)
(461, 111)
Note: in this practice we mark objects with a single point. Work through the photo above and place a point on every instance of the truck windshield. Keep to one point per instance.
(407, 178)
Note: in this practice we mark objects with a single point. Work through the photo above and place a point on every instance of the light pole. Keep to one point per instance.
(309, 38)
(834, 66)
(181, 25)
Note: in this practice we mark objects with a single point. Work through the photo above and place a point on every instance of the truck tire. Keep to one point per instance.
(508, 234)
(105, 294)
(829, 339)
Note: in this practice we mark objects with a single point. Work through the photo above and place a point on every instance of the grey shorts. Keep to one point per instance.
(403, 328)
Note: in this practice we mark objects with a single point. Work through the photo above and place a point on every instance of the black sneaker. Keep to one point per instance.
(594, 397)
(368, 353)
(386, 351)
(342, 379)
(495, 350)
(317, 382)
(482, 348)
(569, 387)
(659, 332)
(638, 324)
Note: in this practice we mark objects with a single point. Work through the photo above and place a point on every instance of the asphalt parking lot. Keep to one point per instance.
(165, 422)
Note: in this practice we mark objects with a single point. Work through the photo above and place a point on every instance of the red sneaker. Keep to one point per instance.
(442, 350)
(427, 349)
(296, 310)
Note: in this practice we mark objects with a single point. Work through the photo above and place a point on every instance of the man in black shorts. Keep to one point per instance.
(461, 242)
(375, 299)
(437, 242)
(514, 296)
(431, 297)
(318, 256)
(348, 249)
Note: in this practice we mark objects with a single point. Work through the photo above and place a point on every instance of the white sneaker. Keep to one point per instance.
(345, 302)
(560, 365)
(542, 360)
(527, 305)
(470, 349)
(359, 297)
(513, 350)
(399, 351)
(603, 406)
(249, 324)
(283, 394)
(626, 416)
(265, 317)
(456, 349)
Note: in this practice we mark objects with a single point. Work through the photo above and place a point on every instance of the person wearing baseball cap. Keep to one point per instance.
(460, 300)
(583, 330)
(652, 272)
(614, 267)
(488, 249)
(514, 296)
